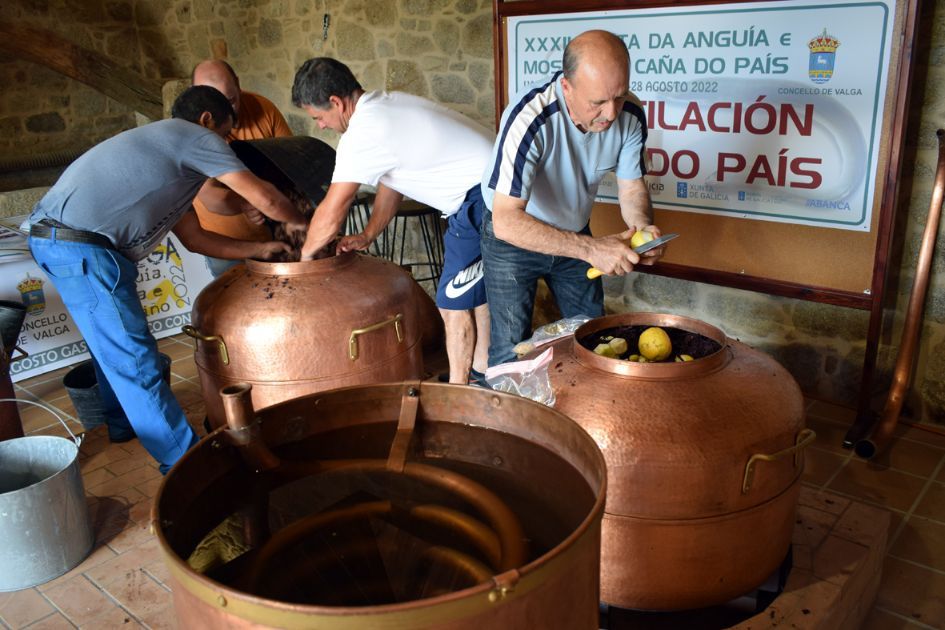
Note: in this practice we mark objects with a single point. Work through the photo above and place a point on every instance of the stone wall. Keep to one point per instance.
(443, 49)
(45, 112)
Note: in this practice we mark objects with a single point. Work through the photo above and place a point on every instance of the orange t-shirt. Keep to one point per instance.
(259, 119)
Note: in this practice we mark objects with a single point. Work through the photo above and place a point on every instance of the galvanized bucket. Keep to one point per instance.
(44, 520)
(81, 384)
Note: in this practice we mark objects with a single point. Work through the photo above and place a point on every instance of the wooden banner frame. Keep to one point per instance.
(867, 253)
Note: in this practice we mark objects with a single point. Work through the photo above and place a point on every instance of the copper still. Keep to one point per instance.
(291, 329)
(704, 462)
(407, 505)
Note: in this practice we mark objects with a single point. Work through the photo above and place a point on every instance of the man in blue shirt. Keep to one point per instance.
(109, 209)
(556, 142)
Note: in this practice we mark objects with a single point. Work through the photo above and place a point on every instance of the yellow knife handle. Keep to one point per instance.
(594, 272)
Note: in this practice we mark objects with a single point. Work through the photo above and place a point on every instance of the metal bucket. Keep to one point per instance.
(81, 384)
(12, 314)
(44, 520)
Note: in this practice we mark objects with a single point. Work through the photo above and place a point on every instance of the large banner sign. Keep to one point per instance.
(761, 110)
(168, 282)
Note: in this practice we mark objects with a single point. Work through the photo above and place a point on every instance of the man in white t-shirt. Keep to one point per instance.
(409, 146)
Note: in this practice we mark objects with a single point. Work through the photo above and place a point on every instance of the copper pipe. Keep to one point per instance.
(308, 572)
(244, 434)
(475, 571)
(244, 429)
(475, 532)
(303, 528)
(500, 517)
(472, 530)
(511, 537)
(902, 373)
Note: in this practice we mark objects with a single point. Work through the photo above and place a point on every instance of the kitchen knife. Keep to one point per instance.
(594, 272)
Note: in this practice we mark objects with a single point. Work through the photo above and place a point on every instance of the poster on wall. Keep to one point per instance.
(761, 110)
(169, 280)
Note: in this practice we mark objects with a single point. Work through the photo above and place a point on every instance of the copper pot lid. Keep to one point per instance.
(300, 162)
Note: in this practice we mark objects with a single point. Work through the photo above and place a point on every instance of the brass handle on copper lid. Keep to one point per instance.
(804, 438)
(192, 332)
(353, 339)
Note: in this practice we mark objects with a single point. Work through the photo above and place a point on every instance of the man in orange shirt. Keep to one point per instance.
(218, 208)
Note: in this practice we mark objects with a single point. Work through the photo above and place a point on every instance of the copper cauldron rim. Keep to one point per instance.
(651, 371)
(325, 266)
(530, 575)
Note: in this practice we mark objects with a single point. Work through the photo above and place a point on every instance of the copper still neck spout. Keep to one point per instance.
(244, 430)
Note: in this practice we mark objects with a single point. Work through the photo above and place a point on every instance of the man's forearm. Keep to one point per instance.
(278, 208)
(636, 209)
(524, 231)
(263, 196)
(329, 217)
(201, 241)
(321, 231)
(386, 203)
(219, 246)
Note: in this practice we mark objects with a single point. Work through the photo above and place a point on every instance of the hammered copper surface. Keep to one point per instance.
(678, 531)
(291, 329)
(558, 588)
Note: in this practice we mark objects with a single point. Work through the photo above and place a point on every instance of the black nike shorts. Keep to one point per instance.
(461, 285)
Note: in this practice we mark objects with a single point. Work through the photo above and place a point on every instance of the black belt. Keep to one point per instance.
(48, 228)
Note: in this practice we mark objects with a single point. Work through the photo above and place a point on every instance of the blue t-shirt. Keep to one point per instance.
(134, 187)
(541, 155)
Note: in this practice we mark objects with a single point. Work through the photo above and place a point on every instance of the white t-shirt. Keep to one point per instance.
(422, 150)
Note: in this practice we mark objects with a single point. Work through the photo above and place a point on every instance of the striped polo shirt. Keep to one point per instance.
(540, 155)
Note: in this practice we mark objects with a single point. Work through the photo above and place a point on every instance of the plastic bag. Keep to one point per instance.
(528, 379)
(549, 332)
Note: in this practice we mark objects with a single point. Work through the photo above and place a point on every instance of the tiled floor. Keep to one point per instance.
(122, 584)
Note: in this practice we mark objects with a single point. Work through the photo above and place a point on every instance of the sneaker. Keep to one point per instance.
(478, 379)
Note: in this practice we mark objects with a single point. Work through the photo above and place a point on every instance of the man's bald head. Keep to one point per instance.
(596, 79)
(593, 49)
(220, 75)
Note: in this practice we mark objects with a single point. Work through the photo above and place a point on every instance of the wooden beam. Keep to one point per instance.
(49, 49)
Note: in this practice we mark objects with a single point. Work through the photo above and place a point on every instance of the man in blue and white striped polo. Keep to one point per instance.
(556, 142)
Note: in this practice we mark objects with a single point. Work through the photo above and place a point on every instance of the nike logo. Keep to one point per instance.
(464, 280)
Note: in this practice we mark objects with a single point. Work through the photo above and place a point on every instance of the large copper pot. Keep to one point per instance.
(529, 473)
(297, 328)
(704, 463)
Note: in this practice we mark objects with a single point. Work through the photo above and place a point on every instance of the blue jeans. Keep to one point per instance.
(218, 266)
(119, 427)
(512, 275)
(98, 287)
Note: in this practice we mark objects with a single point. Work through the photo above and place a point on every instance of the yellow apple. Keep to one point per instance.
(654, 344)
(619, 344)
(605, 350)
(639, 237)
